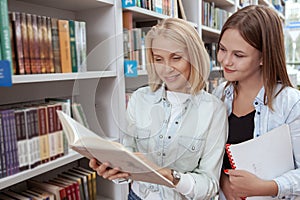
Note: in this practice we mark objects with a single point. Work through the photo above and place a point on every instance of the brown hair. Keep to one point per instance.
(261, 27)
(186, 36)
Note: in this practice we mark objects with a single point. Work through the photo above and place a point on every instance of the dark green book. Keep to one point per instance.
(73, 46)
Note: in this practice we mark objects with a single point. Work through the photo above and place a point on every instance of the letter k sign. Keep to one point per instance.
(130, 68)
(128, 3)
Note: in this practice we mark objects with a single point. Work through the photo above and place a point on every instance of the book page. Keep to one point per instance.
(267, 156)
(91, 145)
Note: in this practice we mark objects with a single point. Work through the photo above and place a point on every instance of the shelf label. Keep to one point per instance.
(130, 68)
(5, 73)
(128, 3)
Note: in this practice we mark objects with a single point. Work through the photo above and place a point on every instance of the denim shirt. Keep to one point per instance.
(286, 108)
(196, 146)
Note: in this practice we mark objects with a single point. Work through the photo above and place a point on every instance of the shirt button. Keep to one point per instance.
(258, 113)
(169, 137)
(164, 154)
(176, 122)
(193, 147)
(256, 103)
(158, 153)
(257, 135)
(160, 136)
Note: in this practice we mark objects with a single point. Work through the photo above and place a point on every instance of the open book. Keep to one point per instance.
(267, 156)
(91, 145)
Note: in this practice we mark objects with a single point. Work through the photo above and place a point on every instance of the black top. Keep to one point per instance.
(240, 130)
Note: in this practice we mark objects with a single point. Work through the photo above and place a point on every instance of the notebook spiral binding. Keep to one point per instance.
(231, 161)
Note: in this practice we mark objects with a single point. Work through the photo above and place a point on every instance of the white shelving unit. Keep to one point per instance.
(32, 78)
(100, 90)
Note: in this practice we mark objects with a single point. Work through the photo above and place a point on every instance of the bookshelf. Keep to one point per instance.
(101, 89)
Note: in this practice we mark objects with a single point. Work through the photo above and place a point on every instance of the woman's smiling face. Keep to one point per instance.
(171, 64)
(240, 61)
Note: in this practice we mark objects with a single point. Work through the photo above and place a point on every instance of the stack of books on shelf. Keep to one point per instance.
(31, 133)
(76, 183)
(41, 44)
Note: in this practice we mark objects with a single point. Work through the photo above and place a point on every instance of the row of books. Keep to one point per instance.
(41, 44)
(213, 16)
(76, 183)
(166, 7)
(31, 134)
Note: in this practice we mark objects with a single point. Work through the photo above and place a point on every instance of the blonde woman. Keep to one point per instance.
(173, 122)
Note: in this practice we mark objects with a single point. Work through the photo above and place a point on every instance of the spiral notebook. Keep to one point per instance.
(267, 156)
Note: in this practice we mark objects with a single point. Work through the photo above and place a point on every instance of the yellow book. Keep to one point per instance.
(64, 44)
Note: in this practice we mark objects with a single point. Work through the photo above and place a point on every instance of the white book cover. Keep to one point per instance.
(267, 156)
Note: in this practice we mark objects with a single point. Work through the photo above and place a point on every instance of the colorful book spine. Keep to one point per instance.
(42, 36)
(8, 151)
(12, 45)
(78, 43)
(60, 141)
(73, 46)
(50, 68)
(31, 46)
(55, 45)
(5, 33)
(83, 48)
(35, 137)
(43, 133)
(14, 144)
(51, 131)
(25, 43)
(17, 37)
(37, 69)
(64, 45)
(22, 140)
(29, 137)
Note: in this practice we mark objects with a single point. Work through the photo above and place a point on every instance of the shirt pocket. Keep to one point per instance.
(189, 152)
(143, 139)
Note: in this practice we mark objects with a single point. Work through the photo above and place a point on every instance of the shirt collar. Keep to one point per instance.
(161, 94)
(228, 92)
(260, 96)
